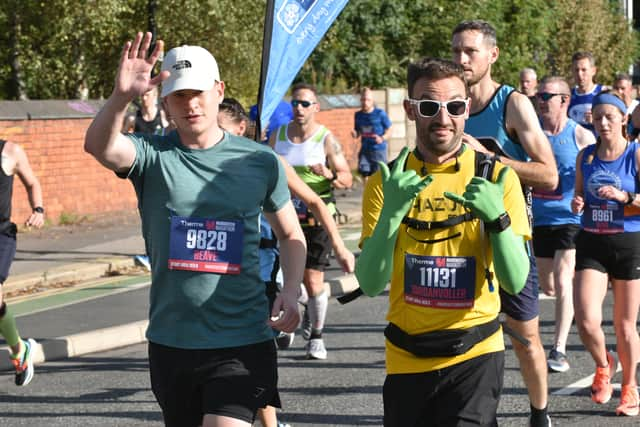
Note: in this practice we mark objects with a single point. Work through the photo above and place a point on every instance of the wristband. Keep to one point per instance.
(630, 198)
(498, 225)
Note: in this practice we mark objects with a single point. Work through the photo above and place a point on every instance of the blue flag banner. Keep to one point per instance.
(293, 28)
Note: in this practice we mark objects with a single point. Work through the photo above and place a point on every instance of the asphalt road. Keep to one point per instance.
(112, 388)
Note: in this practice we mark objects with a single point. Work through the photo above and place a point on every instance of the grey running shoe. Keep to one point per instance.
(557, 361)
(281, 424)
(24, 366)
(284, 340)
(316, 350)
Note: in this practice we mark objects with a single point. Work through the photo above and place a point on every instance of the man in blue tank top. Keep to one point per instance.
(555, 226)
(583, 68)
(503, 122)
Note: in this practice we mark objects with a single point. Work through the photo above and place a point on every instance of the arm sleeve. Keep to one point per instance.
(375, 263)
(510, 258)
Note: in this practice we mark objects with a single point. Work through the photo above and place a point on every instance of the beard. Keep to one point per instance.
(476, 77)
(438, 147)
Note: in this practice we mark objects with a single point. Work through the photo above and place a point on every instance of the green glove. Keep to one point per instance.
(400, 187)
(510, 260)
(482, 197)
(375, 263)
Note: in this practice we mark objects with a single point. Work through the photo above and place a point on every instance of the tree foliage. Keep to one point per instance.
(372, 41)
(51, 48)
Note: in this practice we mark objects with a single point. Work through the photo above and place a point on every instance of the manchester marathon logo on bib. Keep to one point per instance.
(440, 281)
(207, 245)
(600, 215)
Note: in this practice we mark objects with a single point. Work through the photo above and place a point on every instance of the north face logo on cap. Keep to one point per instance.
(183, 63)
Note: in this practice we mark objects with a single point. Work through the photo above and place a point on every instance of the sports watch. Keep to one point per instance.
(498, 225)
(38, 209)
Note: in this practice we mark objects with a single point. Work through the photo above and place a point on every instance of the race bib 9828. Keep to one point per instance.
(207, 245)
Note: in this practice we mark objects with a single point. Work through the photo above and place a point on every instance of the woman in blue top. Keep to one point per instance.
(607, 249)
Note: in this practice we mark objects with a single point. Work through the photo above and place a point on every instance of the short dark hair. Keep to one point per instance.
(306, 86)
(623, 76)
(561, 81)
(583, 54)
(234, 109)
(487, 30)
(434, 69)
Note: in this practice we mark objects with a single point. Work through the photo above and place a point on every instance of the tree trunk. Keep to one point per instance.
(16, 83)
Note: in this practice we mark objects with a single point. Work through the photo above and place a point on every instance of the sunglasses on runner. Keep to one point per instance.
(305, 104)
(429, 108)
(545, 96)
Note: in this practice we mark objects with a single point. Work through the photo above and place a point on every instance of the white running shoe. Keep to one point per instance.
(316, 349)
(24, 365)
(143, 261)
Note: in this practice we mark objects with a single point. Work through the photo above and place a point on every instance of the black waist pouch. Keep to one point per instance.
(445, 343)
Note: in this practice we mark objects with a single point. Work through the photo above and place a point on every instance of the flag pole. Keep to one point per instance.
(266, 48)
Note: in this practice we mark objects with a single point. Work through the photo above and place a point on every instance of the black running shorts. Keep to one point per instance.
(232, 382)
(463, 394)
(7, 253)
(318, 247)
(547, 239)
(614, 254)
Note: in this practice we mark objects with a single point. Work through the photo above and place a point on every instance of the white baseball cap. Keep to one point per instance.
(191, 67)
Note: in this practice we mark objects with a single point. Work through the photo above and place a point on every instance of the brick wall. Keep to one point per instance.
(74, 183)
(340, 122)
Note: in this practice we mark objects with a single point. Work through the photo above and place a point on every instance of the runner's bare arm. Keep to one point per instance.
(320, 211)
(30, 182)
(584, 137)
(103, 139)
(338, 163)
(541, 172)
(577, 203)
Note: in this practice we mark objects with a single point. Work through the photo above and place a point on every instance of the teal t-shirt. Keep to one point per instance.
(229, 182)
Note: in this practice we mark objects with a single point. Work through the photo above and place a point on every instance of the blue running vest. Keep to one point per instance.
(554, 207)
(606, 216)
(488, 126)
